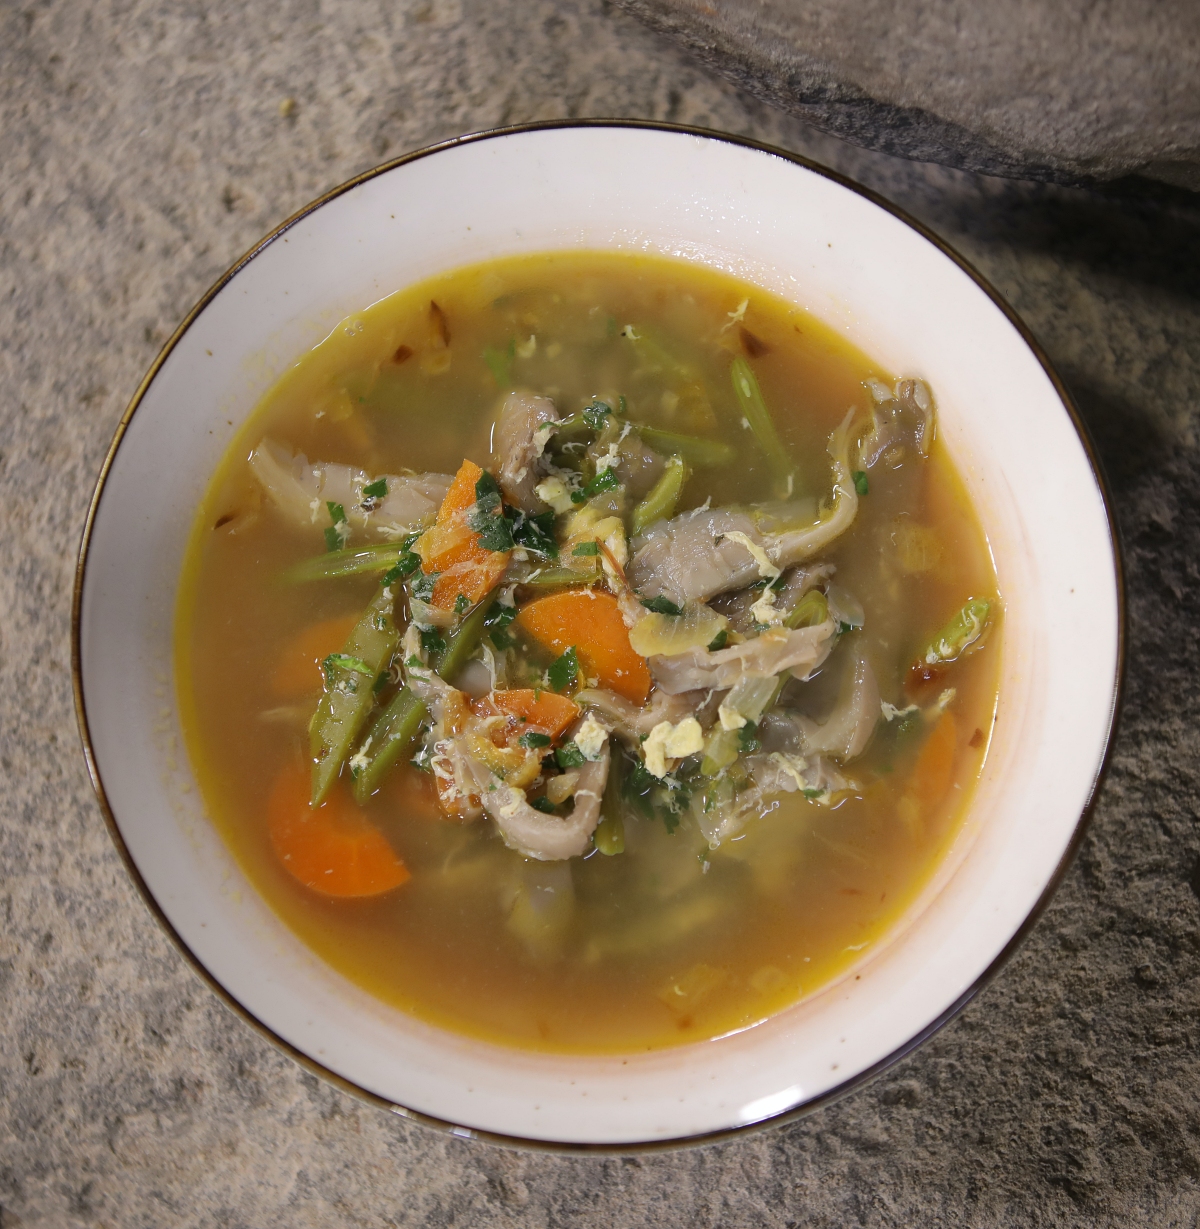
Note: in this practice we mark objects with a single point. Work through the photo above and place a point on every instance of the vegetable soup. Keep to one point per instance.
(588, 652)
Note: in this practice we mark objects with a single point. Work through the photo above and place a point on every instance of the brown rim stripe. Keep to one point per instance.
(514, 1141)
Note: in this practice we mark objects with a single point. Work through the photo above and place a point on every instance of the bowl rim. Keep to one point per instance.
(646, 1146)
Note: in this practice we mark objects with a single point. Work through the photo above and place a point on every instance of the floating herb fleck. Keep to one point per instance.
(661, 605)
(563, 673)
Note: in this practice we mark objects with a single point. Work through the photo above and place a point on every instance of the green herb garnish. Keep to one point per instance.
(422, 585)
(596, 414)
(375, 490)
(534, 739)
(564, 671)
(605, 480)
(861, 485)
(587, 548)
(536, 533)
(543, 804)
(343, 661)
(748, 739)
(661, 605)
(461, 603)
(569, 756)
(432, 640)
(719, 641)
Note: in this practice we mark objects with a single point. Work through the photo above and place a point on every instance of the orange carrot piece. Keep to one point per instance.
(931, 773)
(451, 547)
(591, 622)
(332, 849)
(544, 711)
(298, 670)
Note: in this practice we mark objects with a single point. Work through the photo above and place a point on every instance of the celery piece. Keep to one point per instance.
(391, 735)
(812, 609)
(359, 561)
(720, 750)
(560, 578)
(349, 694)
(464, 641)
(960, 633)
(754, 410)
(609, 837)
(663, 496)
(701, 453)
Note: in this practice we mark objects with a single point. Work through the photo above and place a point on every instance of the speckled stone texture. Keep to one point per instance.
(142, 148)
(1064, 91)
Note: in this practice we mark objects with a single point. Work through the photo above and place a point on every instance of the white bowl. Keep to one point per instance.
(782, 223)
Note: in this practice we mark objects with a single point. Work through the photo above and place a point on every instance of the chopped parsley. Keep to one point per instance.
(748, 739)
(422, 585)
(533, 739)
(813, 793)
(587, 548)
(543, 804)
(536, 533)
(661, 605)
(569, 756)
(719, 641)
(338, 532)
(375, 492)
(596, 414)
(496, 620)
(381, 682)
(343, 661)
(564, 671)
(861, 485)
(432, 640)
(461, 603)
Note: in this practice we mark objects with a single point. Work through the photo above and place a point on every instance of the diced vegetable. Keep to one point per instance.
(453, 548)
(592, 623)
(388, 741)
(561, 578)
(332, 848)
(464, 641)
(810, 611)
(348, 694)
(661, 500)
(542, 710)
(959, 634)
(754, 409)
(359, 561)
(609, 837)
(298, 671)
(665, 634)
(701, 453)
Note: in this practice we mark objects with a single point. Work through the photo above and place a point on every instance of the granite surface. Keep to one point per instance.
(1067, 91)
(145, 144)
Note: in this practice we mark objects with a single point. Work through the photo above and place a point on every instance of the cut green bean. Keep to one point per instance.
(391, 735)
(697, 452)
(358, 561)
(609, 837)
(960, 633)
(663, 496)
(812, 609)
(349, 694)
(754, 410)
(464, 640)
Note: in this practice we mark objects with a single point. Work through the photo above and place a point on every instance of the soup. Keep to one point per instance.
(588, 652)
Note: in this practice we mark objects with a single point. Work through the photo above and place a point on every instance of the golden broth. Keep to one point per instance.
(669, 941)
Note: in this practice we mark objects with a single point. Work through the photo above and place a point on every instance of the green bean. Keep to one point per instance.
(660, 501)
(702, 453)
(754, 410)
(358, 560)
(349, 693)
(609, 837)
(960, 633)
(811, 610)
(391, 735)
(464, 640)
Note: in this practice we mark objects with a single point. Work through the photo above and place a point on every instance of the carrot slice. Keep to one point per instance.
(298, 670)
(931, 773)
(332, 849)
(544, 711)
(591, 622)
(451, 547)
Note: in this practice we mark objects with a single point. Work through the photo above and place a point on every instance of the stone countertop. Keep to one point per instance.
(144, 145)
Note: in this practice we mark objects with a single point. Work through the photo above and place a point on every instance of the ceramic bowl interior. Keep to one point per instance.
(781, 224)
